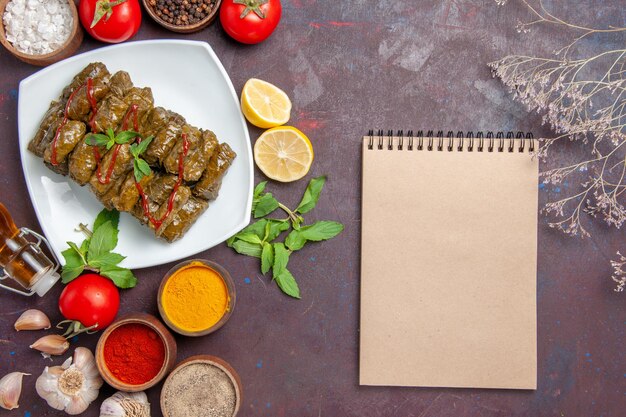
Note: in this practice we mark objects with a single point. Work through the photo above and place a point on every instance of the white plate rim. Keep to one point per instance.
(138, 263)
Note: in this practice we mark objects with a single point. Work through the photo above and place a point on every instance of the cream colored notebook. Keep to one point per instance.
(448, 261)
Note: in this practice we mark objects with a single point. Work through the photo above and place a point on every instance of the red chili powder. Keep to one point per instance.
(134, 353)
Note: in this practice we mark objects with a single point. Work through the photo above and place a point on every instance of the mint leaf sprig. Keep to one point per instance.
(258, 239)
(96, 254)
(110, 139)
(140, 166)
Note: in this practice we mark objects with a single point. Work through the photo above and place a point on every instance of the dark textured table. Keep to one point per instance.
(348, 67)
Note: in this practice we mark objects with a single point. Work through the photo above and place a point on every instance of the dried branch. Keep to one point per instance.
(582, 96)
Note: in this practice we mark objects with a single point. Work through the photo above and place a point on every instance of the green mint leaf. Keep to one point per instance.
(84, 247)
(246, 248)
(258, 228)
(78, 250)
(287, 283)
(74, 264)
(267, 257)
(110, 144)
(68, 273)
(137, 171)
(259, 189)
(295, 240)
(322, 230)
(142, 146)
(106, 260)
(104, 216)
(144, 167)
(104, 240)
(276, 227)
(126, 136)
(311, 195)
(111, 134)
(265, 206)
(249, 237)
(281, 259)
(121, 277)
(96, 139)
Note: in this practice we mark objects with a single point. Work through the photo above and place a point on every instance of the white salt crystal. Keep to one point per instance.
(37, 26)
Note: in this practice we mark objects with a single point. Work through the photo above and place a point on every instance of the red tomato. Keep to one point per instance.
(90, 299)
(116, 20)
(260, 19)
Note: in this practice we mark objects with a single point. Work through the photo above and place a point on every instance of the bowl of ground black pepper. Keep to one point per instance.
(183, 16)
(202, 386)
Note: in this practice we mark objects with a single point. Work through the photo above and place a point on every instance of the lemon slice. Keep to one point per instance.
(283, 153)
(264, 104)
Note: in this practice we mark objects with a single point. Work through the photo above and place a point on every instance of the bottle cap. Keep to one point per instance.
(47, 281)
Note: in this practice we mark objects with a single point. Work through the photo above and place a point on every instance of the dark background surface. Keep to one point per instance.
(350, 66)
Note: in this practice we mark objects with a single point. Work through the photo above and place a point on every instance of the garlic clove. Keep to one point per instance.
(77, 405)
(86, 363)
(53, 344)
(10, 390)
(126, 404)
(32, 320)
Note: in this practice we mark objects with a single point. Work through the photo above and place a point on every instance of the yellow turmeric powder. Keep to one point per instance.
(195, 297)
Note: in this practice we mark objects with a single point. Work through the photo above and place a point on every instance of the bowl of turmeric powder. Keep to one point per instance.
(196, 297)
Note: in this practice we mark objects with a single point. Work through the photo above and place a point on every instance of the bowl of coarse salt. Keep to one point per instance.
(40, 32)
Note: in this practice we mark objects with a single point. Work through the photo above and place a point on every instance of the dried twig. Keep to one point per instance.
(582, 96)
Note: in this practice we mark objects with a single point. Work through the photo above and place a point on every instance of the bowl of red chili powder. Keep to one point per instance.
(135, 352)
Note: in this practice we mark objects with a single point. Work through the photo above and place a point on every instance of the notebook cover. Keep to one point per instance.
(448, 269)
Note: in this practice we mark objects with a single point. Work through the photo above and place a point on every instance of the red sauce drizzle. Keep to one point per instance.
(116, 150)
(93, 103)
(132, 110)
(94, 108)
(157, 223)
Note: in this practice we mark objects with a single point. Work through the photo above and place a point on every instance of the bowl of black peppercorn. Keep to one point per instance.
(183, 16)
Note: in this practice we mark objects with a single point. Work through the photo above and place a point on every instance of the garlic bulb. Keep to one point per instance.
(32, 320)
(71, 387)
(126, 404)
(10, 390)
(53, 344)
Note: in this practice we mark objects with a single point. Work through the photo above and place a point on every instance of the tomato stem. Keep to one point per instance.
(251, 6)
(75, 327)
(104, 8)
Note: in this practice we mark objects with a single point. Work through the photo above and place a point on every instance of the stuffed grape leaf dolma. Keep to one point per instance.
(87, 96)
(55, 114)
(47, 128)
(113, 108)
(209, 185)
(69, 135)
(83, 161)
(201, 147)
(157, 191)
(180, 198)
(184, 218)
(140, 101)
(115, 164)
(164, 140)
(153, 122)
(128, 194)
(93, 70)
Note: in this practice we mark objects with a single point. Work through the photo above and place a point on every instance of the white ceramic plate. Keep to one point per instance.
(185, 77)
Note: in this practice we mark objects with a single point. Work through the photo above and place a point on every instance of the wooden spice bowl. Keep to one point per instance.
(67, 49)
(151, 322)
(186, 28)
(210, 360)
(230, 287)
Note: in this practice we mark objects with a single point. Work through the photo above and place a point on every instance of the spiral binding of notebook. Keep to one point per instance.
(468, 142)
